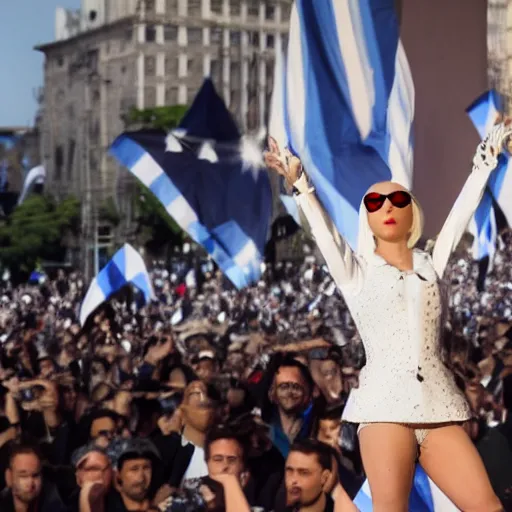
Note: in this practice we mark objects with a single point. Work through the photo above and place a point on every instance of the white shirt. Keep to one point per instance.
(399, 316)
(197, 467)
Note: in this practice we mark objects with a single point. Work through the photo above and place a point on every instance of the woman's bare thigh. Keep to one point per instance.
(450, 459)
(389, 453)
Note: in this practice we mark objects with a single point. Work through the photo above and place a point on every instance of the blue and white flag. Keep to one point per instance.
(211, 181)
(36, 176)
(126, 267)
(348, 102)
(425, 496)
(485, 112)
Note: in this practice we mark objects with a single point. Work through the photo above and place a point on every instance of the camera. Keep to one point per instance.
(191, 498)
(27, 395)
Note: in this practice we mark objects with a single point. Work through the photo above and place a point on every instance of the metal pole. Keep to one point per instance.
(87, 170)
(96, 249)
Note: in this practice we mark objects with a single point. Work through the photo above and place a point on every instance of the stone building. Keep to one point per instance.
(115, 55)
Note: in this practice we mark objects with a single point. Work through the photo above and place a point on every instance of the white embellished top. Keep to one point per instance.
(398, 315)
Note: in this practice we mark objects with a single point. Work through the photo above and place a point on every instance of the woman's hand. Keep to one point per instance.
(286, 164)
(489, 149)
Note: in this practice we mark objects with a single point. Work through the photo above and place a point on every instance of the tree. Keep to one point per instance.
(156, 228)
(165, 118)
(35, 230)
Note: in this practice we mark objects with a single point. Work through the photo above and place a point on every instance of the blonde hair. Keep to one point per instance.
(366, 240)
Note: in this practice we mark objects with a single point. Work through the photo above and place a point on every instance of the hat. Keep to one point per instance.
(120, 450)
(204, 355)
(80, 454)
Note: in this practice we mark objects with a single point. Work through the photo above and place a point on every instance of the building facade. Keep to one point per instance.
(116, 55)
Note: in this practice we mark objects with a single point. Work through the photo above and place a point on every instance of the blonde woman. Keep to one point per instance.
(407, 404)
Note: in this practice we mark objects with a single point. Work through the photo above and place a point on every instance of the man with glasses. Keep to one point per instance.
(291, 397)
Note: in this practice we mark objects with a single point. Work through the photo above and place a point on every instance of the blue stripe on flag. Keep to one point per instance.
(484, 112)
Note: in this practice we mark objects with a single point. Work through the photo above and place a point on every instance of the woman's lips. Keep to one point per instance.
(390, 222)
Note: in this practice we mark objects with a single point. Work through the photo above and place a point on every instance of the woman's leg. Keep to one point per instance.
(389, 452)
(450, 459)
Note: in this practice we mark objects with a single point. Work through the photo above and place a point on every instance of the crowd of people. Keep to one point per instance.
(211, 398)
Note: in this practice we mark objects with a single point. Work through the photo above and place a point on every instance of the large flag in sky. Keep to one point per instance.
(484, 112)
(211, 180)
(425, 496)
(125, 267)
(348, 102)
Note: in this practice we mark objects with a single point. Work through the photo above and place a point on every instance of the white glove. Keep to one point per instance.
(487, 152)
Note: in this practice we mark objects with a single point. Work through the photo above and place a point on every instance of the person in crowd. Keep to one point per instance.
(27, 490)
(134, 461)
(407, 403)
(290, 405)
(205, 366)
(307, 477)
(94, 475)
(183, 451)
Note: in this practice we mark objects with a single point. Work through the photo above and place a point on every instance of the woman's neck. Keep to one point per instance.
(396, 254)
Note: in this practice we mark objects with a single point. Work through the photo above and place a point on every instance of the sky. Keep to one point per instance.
(24, 24)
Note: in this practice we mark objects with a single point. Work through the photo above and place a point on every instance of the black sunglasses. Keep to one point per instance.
(374, 201)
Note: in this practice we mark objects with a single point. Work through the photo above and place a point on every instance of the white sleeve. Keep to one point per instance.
(344, 267)
(466, 204)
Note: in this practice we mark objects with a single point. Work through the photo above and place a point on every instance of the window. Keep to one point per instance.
(269, 71)
(214, 69)
(234, 37)
(149, 97)
(234, 7)
(150, 33)
(59, 162)
(60, 61)
(71, 156)
(171, 66)
(194, 7)
(270, 41)
(215, 36)
(170, 33)
(254, 39)
(194, 35)
(253, 8)
(171, 7)
(92, 61)
(171, 95)
(149, 65)
(128, 34)
(285, 11)
(234, 73)
(285, 41)
(270, 11)
(150, 7)
(216, 6)
(191, 94)
(234, 105)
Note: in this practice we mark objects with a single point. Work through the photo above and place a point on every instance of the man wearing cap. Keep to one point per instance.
(133, 461)
(93, 471)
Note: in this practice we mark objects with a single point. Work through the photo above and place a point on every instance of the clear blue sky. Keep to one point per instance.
(24, 24)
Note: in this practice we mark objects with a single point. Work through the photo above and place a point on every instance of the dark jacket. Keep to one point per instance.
(49, 500)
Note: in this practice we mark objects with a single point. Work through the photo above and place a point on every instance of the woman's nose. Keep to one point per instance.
(388, 205)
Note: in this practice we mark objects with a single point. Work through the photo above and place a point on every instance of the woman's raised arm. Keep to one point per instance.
(344, 267)
(484, 162)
